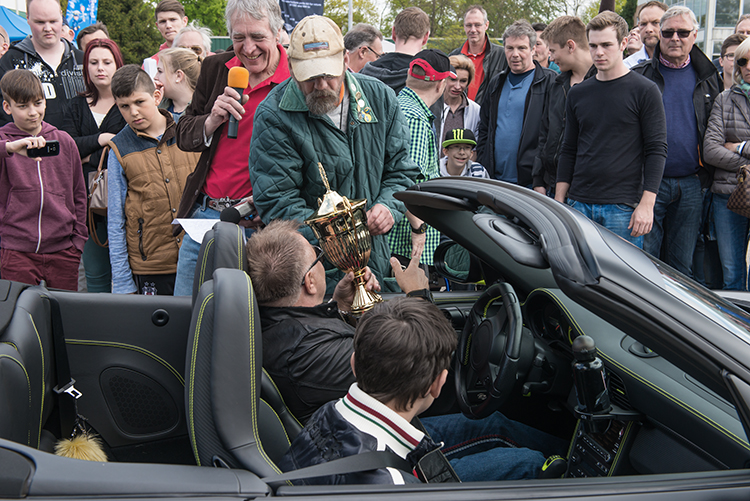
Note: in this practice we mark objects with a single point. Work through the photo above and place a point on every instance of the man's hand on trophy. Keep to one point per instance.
(412, 278)
(379, 219)
(343, 294)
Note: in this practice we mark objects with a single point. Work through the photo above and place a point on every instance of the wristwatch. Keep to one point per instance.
(421, 293)
(419, 231)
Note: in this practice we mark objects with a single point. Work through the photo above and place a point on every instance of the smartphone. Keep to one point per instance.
(51, 149)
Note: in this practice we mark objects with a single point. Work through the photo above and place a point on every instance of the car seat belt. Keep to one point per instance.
(66, 392)
(366, 461)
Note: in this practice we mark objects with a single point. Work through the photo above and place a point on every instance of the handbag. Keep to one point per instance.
(98, 197)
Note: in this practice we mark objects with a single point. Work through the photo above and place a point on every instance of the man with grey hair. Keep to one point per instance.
(351, 124)
(488, 58)
(196, 38)
(512, 110)
(689, 83)
(221, 178)
(364, 43)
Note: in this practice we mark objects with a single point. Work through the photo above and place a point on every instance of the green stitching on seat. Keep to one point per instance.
(288, 442)
(253, 390)
(28, 385)
(44, 374)
(273, 383)
(125, 346)
(191, 384)
(239, 248)
(11, 344)
(205, 257)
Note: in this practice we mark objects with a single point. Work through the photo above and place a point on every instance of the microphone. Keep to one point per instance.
(238, 79)
(238, 212)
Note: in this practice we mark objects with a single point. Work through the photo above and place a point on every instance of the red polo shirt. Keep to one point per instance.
(478, 60)
(229, 174)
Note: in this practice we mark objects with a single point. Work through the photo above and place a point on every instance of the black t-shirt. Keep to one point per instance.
(615, 140)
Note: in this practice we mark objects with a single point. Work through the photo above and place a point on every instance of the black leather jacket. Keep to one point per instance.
(494, 62)
(536, 102)
(544, 172)
(708, 86)
(306, 352)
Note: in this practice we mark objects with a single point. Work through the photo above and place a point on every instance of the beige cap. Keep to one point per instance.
(316, 48)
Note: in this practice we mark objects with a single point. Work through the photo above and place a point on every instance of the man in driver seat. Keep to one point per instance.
(402, 351)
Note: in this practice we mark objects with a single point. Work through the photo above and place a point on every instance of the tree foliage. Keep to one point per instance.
(365, 11)
(132, 25)
(209, 13)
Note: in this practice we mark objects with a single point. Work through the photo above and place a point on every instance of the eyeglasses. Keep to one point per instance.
(729, 56)
(377, 54)
(668, 34)
(319, 255)
(741, 62)
(195, 48)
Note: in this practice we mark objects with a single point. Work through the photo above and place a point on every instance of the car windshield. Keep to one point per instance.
(722, 312)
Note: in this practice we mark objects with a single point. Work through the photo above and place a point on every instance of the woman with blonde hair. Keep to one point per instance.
(459, 112)
(727, 147)
(176, 75)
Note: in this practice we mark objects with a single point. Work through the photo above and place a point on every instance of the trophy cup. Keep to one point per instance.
(341, 228)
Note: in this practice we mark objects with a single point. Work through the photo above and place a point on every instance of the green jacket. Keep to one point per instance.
(370, 161)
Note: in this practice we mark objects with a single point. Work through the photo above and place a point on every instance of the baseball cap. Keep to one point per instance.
(316, 48)
(459, 136)
(435, 64)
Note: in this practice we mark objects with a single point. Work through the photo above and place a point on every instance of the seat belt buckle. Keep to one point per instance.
(70, 389)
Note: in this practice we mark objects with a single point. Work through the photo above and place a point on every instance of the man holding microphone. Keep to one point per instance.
(221, 178)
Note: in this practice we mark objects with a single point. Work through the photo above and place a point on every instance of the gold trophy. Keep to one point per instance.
(341, 228)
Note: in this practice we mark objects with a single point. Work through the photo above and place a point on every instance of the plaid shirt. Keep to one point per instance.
(423, 150)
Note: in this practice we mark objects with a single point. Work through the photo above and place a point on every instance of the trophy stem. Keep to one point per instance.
(363, 300)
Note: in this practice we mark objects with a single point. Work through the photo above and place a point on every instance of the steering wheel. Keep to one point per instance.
(476, 346)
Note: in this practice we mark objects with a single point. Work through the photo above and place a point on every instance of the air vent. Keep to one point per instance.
(617, 393)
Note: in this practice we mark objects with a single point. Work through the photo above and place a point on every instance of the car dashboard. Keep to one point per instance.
(663, 421)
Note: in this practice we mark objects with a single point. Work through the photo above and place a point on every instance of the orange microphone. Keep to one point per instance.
(238, 79)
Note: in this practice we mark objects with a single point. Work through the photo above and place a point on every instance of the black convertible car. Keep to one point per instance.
(175, 388)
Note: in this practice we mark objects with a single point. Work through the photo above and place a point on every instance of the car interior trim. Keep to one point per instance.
(28, 385)
(44, 389)
(648, 383)
(131, 347)
(276, 388)
(191, 396)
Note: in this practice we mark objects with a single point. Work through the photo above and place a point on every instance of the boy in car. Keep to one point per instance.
(42, 200)
(402, 351)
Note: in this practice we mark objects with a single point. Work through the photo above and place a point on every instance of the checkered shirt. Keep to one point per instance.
(423, 150)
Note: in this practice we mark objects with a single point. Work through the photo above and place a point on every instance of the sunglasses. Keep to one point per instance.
(668, 34)
(377, 55)
(195, 48)
(319, 255)
(741, 62)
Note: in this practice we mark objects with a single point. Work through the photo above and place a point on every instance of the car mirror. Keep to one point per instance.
(457, 264)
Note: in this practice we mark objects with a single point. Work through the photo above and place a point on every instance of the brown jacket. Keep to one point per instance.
(156, 172)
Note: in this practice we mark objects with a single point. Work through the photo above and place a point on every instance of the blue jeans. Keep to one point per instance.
(614, 217)
(494, 448)
(677, 218)
(188, 257)
(731, 235)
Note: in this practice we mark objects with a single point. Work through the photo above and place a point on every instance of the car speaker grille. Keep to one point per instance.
(617, 393)
(139, 405)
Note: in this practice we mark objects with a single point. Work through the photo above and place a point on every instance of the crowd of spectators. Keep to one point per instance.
(656, 168)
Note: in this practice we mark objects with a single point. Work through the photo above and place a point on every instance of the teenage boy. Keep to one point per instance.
(147, 175)
(457, 148)
(42, 200)
(611, 165)
(402, 351)
(170, 19)
(569, 48)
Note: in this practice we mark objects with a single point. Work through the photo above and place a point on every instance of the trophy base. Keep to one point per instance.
(364, 300)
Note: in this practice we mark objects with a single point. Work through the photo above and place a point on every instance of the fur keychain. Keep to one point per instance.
(83, 445)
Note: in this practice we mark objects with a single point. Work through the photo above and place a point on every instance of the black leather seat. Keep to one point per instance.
(228, 423)
(26, 365)
(224, 247)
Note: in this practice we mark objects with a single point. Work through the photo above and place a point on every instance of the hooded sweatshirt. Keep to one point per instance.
(60, 84)
(42, 204)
